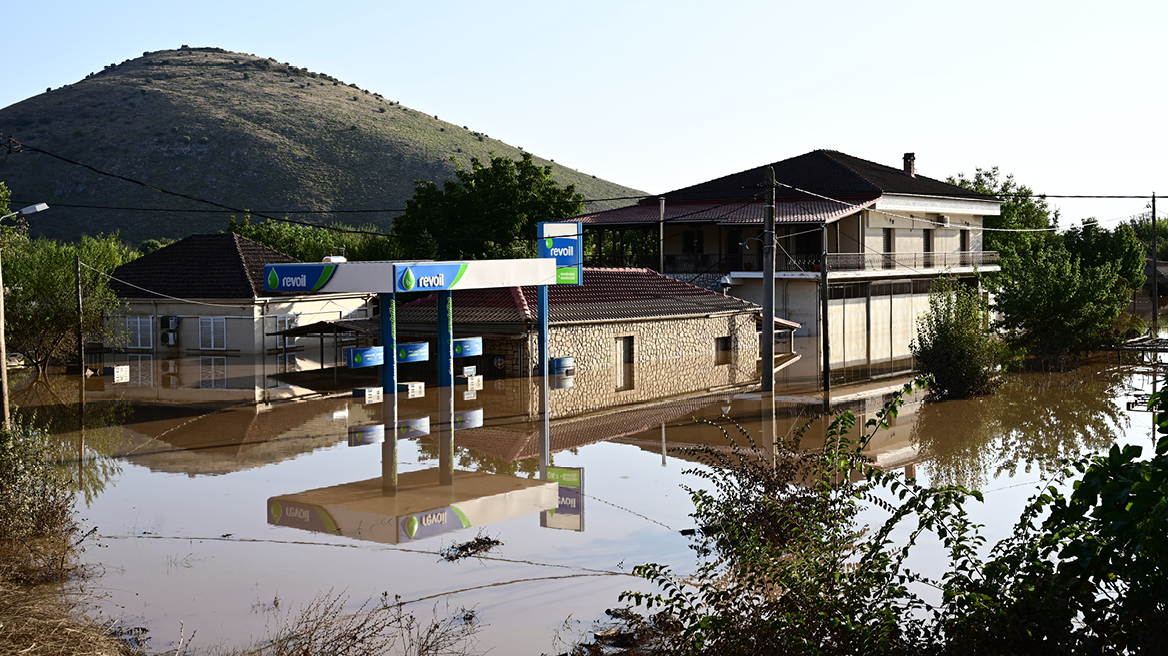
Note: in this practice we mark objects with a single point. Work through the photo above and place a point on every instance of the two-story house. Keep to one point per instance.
(889, 233)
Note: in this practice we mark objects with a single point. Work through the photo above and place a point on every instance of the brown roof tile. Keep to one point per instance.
(218, 266)
(606, 295)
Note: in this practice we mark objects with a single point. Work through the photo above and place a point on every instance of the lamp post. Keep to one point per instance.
(31, 209)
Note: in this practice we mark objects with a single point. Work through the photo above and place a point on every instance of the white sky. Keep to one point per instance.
(659, 95)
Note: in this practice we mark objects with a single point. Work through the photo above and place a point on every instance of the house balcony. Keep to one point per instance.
(841, 262)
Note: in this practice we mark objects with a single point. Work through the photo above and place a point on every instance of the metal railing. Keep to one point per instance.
(717, 262)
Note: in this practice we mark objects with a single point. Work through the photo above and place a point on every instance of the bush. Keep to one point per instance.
(37, 529)
(954, 344)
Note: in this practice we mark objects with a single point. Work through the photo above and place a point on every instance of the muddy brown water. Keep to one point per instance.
(211, 508)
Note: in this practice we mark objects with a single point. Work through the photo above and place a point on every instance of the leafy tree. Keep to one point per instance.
(312, 244)
(1020, 210)
(150, 245)
(486, 212)
(1095, 246)
(1054, 306)
(40, 297)
(954, 344)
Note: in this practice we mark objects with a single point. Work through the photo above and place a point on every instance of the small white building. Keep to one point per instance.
(202, 300)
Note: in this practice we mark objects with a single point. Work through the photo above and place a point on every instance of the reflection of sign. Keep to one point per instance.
(413, 351)
(122, 373)
(432, 522)
(563, 365)
(372, 395)
(467, 347)
(500, 362)
(469, 371)
(469, 395)
(413, 390)
(413, 427)
(359, 435)
(473, 383)
(569, 512)
(468, 419)
(562, 382)
(561, 242)
(373, 356)
(299, 515)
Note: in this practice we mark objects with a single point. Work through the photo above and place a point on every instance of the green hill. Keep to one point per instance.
(241, 130)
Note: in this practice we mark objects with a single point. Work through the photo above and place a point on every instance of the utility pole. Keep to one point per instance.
(768, 287)
(80, 334)
(4, 362)
(1155, 275)
(661, 238)
(824, 328)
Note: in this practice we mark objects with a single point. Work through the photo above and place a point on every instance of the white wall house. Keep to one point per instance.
(196, 317)
(876, 236)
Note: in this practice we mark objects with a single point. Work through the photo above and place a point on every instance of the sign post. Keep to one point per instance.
(388, 302)
(560, 242)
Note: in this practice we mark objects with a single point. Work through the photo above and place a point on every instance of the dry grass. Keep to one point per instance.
(41, 621)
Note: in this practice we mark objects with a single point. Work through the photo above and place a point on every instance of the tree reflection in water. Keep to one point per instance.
(52, 403)
(1033, 419)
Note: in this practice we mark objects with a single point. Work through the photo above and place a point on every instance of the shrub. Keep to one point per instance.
(954, 344)
(37, 528)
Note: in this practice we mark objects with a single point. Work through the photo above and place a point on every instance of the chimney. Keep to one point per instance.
(910, 164)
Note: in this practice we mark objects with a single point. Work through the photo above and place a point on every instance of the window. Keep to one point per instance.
(141, 369)
(964, 241)
(624, 363)
(213, 372)
(212, 333)
(139, 332)
(691, 243)
(722, 350)
(284, 322)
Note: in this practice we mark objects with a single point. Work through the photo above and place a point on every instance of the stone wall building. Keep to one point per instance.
(635, 336)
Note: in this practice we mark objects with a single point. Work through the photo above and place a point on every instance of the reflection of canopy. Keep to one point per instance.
(210, 443)
(512, 445)
(333, 327)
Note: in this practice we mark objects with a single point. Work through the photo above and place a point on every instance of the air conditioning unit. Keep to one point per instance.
(170, 323)
(169, 338)
(169, 367)
(943, 219)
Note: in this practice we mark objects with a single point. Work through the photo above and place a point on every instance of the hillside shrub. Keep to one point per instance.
(954, 344)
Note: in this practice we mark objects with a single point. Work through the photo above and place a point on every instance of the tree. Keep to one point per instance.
(954, 344)
(1095, 246)
(1020, 210)
(486, 212)
(1054, 306)
(40, 297)
(312, 243)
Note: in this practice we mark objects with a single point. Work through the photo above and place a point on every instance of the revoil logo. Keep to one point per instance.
(294, 281)
(566, 251)
(432, 281)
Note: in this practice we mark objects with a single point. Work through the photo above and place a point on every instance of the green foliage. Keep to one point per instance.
(1054, 306)
(150, 245)
(311, 244)
(1020, 210)
(40, 293)
(486, 212)
(36, 509)
(1095, 246)
(954, 344)
(785, 570)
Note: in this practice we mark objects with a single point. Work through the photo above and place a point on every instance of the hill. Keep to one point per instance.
(238, 129)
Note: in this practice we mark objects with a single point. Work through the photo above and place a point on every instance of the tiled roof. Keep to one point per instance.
(224, 266)
(606, 295)
(739, 197)
(730, 212)
(827, 172)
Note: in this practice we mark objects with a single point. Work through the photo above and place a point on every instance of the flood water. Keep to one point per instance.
(216, 503)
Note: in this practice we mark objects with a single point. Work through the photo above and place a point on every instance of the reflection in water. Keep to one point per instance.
(1034, 419)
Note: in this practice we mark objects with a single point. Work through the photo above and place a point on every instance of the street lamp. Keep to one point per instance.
(31, 209)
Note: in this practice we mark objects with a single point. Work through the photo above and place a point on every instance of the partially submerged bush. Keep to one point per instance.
(1085, 571)
(37, 528)
(954, 344)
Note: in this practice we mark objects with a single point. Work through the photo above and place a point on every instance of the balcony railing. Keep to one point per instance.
(712, 262)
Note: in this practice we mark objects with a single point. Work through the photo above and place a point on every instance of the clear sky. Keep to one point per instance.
(656, 95)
